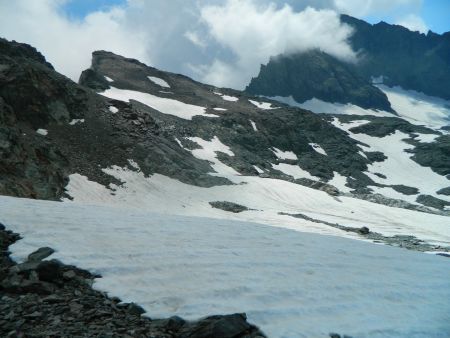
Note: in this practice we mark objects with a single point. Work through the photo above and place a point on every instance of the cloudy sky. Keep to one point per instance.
(221, 42)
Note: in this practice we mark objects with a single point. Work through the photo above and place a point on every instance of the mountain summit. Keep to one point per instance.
(387, 54)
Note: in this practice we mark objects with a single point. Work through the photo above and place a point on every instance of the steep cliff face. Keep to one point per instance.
(315, 74)
(31, 96)
(408, 59)
(414, 61)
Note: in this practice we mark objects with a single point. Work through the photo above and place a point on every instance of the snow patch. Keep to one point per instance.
(113, 109)
(284, 155)
(294, 171)
(109, 79)
(418, 108)
(179, 142)
(166, 106)
(318, 148)
(253, 125)
(220, 109)
(227, 97)
(339, 181)
(76, 121)
(426, 138)
(322, 107)
(362, 154)
(262, 105)
(43, 132)
(160, 82)
(258, 169)
(208, 152)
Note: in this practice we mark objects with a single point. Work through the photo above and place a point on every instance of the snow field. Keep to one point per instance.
(290, 284)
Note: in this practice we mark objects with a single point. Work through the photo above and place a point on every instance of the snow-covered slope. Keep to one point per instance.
(398, 168)
(267, 198)
(416, 108)
(291, 284)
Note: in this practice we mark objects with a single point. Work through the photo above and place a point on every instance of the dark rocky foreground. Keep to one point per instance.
(49, 299)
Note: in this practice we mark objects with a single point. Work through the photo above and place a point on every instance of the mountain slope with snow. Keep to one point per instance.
(164, 142)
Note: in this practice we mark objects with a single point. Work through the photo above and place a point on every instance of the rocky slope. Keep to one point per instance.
(315, 74)
(256, 132)
(54, 128)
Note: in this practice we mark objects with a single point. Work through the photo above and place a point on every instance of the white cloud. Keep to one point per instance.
(413, 23)
(195, 39)
(222, 42)
(68, 44)
(268, 31)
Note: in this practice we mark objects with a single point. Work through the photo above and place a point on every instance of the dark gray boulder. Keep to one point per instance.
(229, 206)
(229, 326)
(40, 254)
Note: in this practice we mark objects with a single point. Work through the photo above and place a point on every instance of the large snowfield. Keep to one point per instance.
(291, 284)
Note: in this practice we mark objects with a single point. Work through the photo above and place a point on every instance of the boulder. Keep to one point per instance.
(49, 271)
(40, 254)
(228, 326)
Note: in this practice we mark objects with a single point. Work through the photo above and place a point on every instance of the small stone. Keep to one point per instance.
(52, 299)
(34, 315)
(174, 323)
(135, 309)
(335, 335)
(40, 254)
(75, 307)
(364, 231)
(69, 274)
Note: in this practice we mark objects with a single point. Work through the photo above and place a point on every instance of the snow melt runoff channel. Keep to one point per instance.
(291, 284)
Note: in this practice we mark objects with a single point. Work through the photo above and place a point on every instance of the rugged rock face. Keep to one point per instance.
(408, 59)
(435, 155)
(403, 58)
(49, 299)
(77, 133)
(315, 74)
(30, 166)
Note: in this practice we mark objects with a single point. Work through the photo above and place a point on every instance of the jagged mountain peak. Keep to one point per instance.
(315, 74)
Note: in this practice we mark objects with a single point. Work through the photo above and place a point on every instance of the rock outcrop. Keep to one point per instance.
(315, 74)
